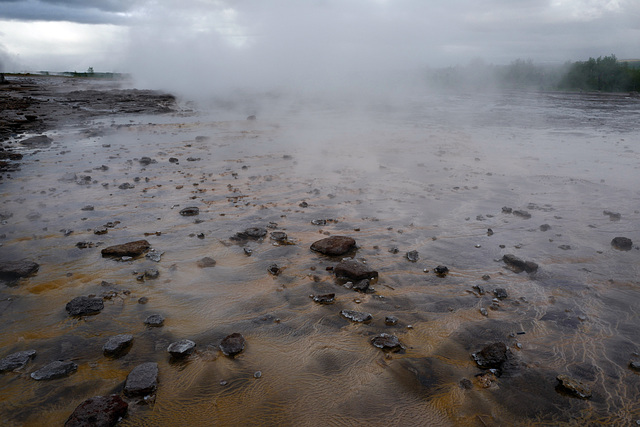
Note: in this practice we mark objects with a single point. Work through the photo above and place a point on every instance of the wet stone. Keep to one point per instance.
(232, 344)
(117, 345)
(98, 411)
(39, 141)
(356, 316)
(88, 208)
(334, 245)
(190, 211)
(154, 255)
(479, 289)
(253, 233)
(573, 386)
(622, 243)
(613, 216)
(387, 342)
(522, 214)
(545, 227)
(206, 262)
(181, 348)
(274, 270)
(155, 320)
(500, 293)
(17, 269)
(142, 380)
(127, 249)
(519, 265)
(53, 370)
(83, 306)
(391, 320)
(279, 236)
(634, 364)
(325, 298)
(16, 360)
(441, 271)
(354, 270)
(146, 161)
(126, 186)
(506, 210)
(413, 256)
(491, 356)
(362, 286)
(100, 230)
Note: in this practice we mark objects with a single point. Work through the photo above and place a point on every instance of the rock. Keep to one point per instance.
(413, 256)
(492, 356)
(441, 270)
(151, 273)
(487, 379)
(387, 342)
(127, 249)
(274, 269)
(39, 141)
(519, 265)
(334, 245)
(466, 384)
(173, 160)
(232, 344)
(362, 286)
(253, 233)
(181, 348)
(117, 345)
(613, 216)
(206, 262)
(354, 270)
(506, 210)
(190, 211)
(155, 320)
(98, 411)
(479, 289)
(622, 243)
(16, 360)
(83, 306)
(142, 380)
(251, 117)
(325, 299)
(574, 386)
(100, 230)
(500, 293)
(522, 214)
(126, 186)
(634, 364)
(146, 161)
(391, 320)
(53, 370)
(545, 227)
(12, 270)
(356, 316)
(154, 255)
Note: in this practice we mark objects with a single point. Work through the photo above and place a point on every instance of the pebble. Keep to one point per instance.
(155, 320)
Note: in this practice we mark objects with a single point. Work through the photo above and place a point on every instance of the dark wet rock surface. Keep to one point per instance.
(232, 344)
(117, 345)
(274, 270)
(53, 370)
(334, 245)
(181, 348)
(325, 298)
(356, 316)
(413, 256)
(354, 270)
(573, 387)
(206, 262)
(131, 249)
(155, 320)
(37, 141)
(142, 380)
(522, 214)
(16, 360)
(492, 356)
(500, 293)
(83, 306)
(391, 320)
(253, 233)
(622, 243)
(519, 265)
(387, 342)
(441, 270)
(190, 211)
(98, 411)
(11, 270)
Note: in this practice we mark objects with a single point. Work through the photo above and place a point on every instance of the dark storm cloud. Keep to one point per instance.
(85, 12)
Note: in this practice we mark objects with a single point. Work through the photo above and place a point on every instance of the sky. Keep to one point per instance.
(276, 42)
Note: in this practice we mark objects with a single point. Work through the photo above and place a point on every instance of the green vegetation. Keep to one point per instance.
(605, 74)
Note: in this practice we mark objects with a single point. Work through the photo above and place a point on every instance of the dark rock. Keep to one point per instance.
(98, 411)
(39, 141)
(519, 265)
(356, 316)
(387, 342)
(545, 227)
(394, 250)
(492, 356)
(489, 233)
(613, 216)
(16, 360)
(391, 320)
(354, 270)
(181, 348)
(117, 344)
(253, 233)
(100, 230)
(506, 210)
(146, 161)
(441, 270)
(500, 293)
(479, 289)
(155, 320)
(142, 380)
(466, 384)
(362, 286)
(487, 379)
(173, 160)
(151, 273)
(413, 256)
(522, 214)
(83, 306)
(12, 270)
(88, 208)
(334, 245)
(84, 245)
(232, 344)
(251, 117)
(54, 370)
(190, 211)
(565, 247)
(634, 364)
(126, 186)
(622, 243)
(573, 386)
(274, 269)
(325, 299)
(143, 300)
(193, 159)
(127, 249)
(206, 262)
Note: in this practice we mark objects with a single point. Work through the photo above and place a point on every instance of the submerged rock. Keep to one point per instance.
(391, 320)
(53, 370)
(117, 344)
(181, 348)
(155, 320)
(16, 360)
(127, 249)
(622, 243)
(356, 316)
(492, 356)
(190, 211)
(334, 245)
(500, 293)
(232, 344)
(574, 386)
(83, 306)
(518, 265)
(522, 214)
(387, 342)
(39, 141)
(325, 299)
(441, 270)
(142, 380)
(98, 411)
(354, 270)
(274, 269)
(12, 270)
(206, 262)
(413, 256)
(362, 286)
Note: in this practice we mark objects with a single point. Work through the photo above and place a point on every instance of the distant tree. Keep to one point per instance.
(90, 70)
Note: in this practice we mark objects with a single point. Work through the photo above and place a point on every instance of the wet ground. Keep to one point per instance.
(428, 173)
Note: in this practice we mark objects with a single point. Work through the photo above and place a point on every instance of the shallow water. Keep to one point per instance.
(430, 173)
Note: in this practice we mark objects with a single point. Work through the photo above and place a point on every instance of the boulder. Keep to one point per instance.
(83, 306)
(117, 344)
(53, 370)
(492, 356)
(232, 344)
(11, 270)
(98, 411)
(334, 245)
(16, 360)
(142, 380)
(127, 249)
(354, 270)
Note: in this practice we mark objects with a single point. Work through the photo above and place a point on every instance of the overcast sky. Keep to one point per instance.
(268, 40)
